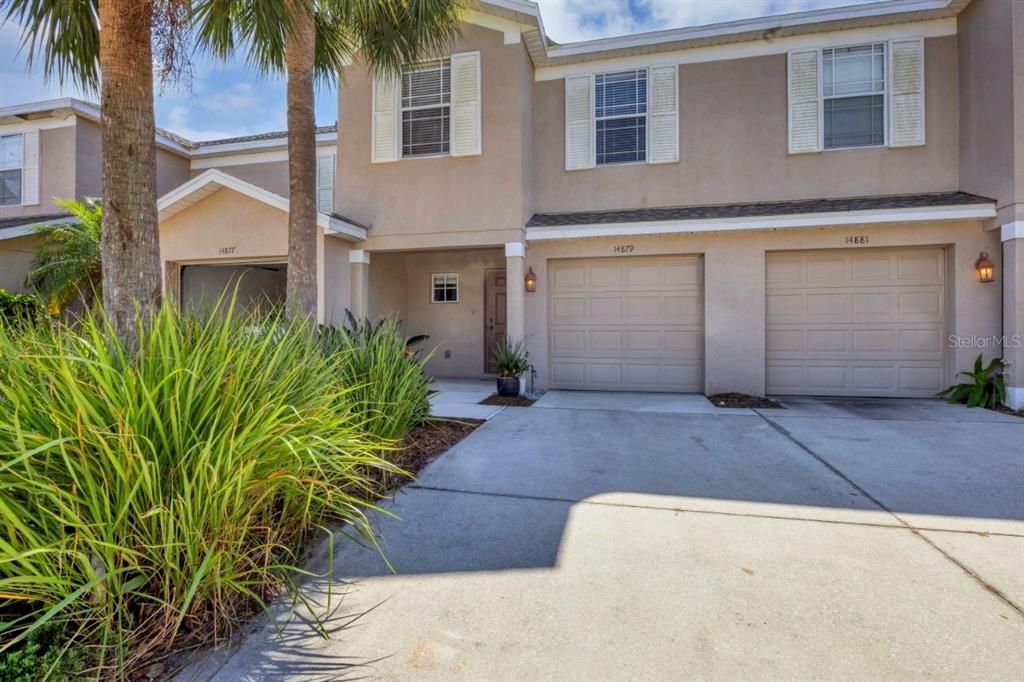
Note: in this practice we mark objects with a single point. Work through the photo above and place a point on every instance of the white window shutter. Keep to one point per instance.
(325, 183)
(805, 124)
(385, 122)
(30, 168)
(579, 122)
(465, 105)
(663, 112)
(906, 92)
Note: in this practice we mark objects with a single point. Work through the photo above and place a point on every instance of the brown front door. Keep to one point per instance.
(494, 315)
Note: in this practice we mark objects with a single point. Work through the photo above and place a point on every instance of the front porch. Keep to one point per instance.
(459, 297)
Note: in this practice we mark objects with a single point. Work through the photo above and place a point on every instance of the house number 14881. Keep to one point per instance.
(856, 239)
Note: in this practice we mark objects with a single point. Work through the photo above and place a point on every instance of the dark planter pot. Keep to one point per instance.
(508, 386)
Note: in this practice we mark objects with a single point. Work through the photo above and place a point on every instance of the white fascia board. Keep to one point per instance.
(167, 202)
(255, 145)
(29, 228)
(335, 226)
(512, 31)
(756, 24)
(869, 217)
(245, 159)
(932, 28)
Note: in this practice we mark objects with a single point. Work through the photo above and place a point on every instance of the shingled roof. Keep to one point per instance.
(756, 209)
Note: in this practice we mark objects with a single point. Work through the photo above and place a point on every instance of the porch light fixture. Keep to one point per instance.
(531, 281)
(986, 271)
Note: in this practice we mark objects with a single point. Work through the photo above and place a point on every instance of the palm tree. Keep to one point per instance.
(66, 37)
(67, 265)
(310, 39)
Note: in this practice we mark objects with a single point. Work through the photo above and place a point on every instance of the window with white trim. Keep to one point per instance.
(10, 169)
(620, 116)
(444, 287)
(426, 108)
(853, 92)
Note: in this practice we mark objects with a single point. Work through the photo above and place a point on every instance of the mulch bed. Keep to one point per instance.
(429, 440)
(1006, 410)
(743, 400)
(509, 401)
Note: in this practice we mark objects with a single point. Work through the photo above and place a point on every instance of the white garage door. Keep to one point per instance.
(856, 323)
(627, 324)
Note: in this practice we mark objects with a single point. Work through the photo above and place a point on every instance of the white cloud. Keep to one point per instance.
(572, 20)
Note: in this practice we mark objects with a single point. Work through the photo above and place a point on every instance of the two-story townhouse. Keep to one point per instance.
(827, 202)
(51, 150)
(798, 204)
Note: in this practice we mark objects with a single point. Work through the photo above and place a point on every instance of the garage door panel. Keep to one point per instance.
(881, 334)
(629, 323)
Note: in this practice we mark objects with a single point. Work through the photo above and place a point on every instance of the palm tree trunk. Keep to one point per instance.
(130, 243)
(302, 230)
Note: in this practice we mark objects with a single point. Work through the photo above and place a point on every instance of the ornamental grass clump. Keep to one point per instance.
(385, 372)
(156, 495)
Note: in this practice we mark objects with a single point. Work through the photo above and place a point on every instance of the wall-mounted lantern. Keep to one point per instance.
(531, 281)
(986, 271)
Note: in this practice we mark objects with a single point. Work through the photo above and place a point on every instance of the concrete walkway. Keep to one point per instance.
(834, 539)
(460, 399)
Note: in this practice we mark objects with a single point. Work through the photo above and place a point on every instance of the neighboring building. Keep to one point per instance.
(785, 205)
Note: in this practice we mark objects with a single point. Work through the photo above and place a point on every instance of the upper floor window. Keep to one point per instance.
(10, 170)
(853, 82)
(620, 116)
(426, 105)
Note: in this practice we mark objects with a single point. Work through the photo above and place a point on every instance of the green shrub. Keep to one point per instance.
(16, 309)
(986, 388)
(384, 372)
(43, 655)
(161, 493)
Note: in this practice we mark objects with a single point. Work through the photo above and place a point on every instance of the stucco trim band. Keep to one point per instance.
(1014, 230)
(967, 212)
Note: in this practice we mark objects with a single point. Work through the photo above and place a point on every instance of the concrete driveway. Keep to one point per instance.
(875, 539)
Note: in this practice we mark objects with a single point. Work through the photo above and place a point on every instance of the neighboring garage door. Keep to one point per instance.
(627, 323)
(258, 286)
(856, 323)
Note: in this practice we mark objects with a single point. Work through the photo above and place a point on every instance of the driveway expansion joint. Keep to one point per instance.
(917, 532)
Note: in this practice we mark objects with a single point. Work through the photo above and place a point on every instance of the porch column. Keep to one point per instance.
(1013, 311)
(515, 296)
(360, 282)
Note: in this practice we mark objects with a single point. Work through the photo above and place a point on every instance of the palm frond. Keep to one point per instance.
(67, 264)
(63, 35)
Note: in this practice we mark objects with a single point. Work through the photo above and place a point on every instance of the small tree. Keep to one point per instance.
(68, 264)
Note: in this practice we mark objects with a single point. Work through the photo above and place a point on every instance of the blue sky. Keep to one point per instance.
(227, 99)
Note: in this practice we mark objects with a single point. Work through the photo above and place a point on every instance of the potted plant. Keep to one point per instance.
(510, 363)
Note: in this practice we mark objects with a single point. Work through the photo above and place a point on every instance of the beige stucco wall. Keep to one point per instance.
(271, 176)
(733, 145)
(735, 288)
(171, 169)
(400, 287)
(56, 173)
(337, 285)
(991, 136)
(452, 201)
(15, 261)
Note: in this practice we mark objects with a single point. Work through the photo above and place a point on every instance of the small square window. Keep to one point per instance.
(444, 288)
